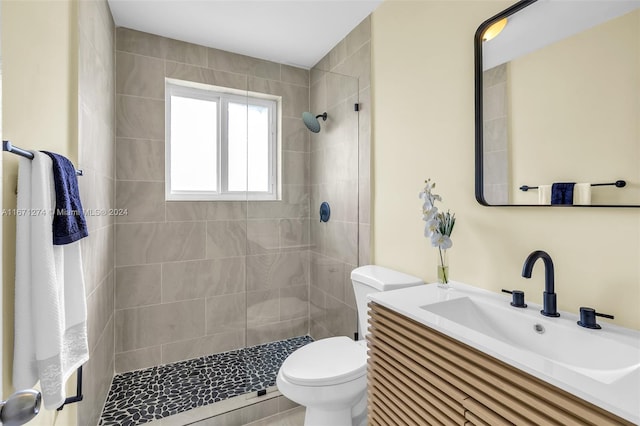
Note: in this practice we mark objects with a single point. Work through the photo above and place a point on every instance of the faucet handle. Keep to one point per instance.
(517, 301)
(588, 318)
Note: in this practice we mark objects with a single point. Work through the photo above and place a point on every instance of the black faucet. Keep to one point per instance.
(549, 308)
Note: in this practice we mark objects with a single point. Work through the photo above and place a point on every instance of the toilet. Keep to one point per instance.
(329, 376)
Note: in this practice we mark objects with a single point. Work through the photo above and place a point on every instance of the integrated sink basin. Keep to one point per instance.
(599, 366)
(583, 351)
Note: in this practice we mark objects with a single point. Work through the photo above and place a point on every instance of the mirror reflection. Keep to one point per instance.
(560, 107)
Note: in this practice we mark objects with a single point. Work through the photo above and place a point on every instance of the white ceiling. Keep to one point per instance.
(293, 32)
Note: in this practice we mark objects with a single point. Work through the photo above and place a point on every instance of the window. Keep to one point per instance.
(220, 143)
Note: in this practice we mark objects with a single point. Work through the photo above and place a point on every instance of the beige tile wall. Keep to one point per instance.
(195, 278)
(340, 170)
(96, 145)
(495, 137)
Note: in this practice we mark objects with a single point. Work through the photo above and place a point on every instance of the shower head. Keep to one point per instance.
(312, 122)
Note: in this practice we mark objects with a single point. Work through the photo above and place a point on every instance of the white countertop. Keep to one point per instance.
(621, 396)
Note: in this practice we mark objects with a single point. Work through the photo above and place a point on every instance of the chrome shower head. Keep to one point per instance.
(312, 122)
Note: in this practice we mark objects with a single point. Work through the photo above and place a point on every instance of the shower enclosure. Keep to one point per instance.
(245, 277)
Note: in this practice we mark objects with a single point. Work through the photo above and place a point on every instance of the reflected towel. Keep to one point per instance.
(50, 305)
(562, 193)
(544, 195)
(582, 194)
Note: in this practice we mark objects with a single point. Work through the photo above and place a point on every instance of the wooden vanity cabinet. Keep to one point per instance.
(418, 376)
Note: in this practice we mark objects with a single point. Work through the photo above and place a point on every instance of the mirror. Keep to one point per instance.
(557, 103)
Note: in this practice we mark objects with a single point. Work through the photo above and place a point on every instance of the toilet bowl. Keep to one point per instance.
(329, 376)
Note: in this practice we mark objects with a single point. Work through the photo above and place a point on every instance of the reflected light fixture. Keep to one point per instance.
(494, 29)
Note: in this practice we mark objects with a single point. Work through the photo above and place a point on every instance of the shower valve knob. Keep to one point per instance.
(325, 212)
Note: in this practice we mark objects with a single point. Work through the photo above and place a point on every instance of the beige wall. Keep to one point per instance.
(39, 106)
(423, 127)
(583, 95)
(340, 175)
(196, 278)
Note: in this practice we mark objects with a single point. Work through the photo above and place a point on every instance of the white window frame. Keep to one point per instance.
(224, 95)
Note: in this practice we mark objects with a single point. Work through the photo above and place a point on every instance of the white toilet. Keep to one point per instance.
(329, 376)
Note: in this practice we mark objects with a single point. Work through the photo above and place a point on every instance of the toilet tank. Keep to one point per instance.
(372, 279)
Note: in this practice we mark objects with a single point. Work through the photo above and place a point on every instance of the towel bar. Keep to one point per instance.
(7, 146)
(78, 396)
(617, 184)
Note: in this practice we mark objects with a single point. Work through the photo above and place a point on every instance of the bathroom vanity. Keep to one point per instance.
(465, 356)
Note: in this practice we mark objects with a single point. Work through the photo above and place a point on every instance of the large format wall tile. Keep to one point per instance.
(226, 313)
(143, 201)
(285, 269)
(153, 325)
(296, 168)
(263, 307)
(295, 99)
(294, 302)
(359, 36)
(277, 331)
(295, 136)
(139, 76)
(212, 344)
(151, 45)
(206, 76)
(294, 204)
(339, 173)
(140, 159)
(170, 253)
(96, 156)
(137, 359)
(138, 285)
(294, 234)
(226, 239)
(140, 118)
(202, 278)
(96, 379)
(206, 210)
(294, 75)
(100, 306)
(263, 236)
(240, 64)
(97, 255)
(141, 243)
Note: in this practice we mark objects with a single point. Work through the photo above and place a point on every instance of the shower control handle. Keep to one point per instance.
(325, 212)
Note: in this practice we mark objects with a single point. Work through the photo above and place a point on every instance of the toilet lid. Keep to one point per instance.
(326, 362)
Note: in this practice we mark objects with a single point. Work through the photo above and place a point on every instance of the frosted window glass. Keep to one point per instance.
(248, 151)
(194, 155)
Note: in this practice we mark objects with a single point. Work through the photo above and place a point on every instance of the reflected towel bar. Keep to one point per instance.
(617, 184)
(7, 146)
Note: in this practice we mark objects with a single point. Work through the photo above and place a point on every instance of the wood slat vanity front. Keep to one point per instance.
(418, 376)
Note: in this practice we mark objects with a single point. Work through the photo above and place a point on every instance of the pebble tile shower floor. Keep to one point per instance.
(138, 397)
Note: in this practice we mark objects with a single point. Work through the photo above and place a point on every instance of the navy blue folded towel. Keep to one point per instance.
(562, 193)
(69, 223)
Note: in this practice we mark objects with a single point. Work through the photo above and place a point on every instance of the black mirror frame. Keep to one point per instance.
(479, 160)
(477, 51)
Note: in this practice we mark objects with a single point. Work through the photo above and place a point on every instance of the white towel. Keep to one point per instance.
(582, 194)
(544, 195)
(50, 307)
